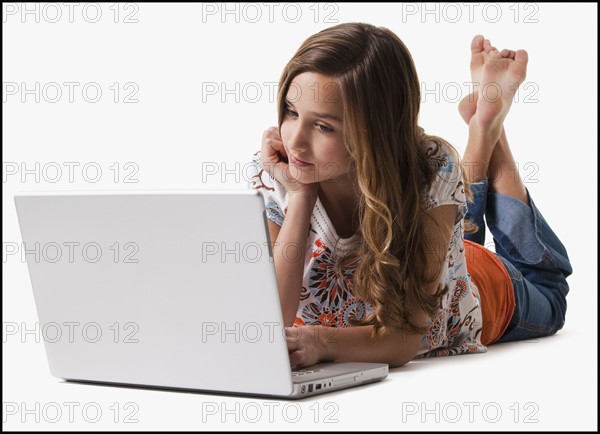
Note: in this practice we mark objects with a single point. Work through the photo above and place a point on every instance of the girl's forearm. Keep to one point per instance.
(355, 344)
(289, 252)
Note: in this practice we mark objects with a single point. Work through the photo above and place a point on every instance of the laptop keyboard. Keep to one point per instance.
(304, 372)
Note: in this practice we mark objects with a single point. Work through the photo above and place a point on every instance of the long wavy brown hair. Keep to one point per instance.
(380, 92)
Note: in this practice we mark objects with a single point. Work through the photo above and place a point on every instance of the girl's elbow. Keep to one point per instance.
(400, 361)
(408, 351)
(398, 364)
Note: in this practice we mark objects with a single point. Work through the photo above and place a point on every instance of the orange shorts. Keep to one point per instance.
(495, 290)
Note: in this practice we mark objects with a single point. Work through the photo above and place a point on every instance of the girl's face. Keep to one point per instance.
(312, 128)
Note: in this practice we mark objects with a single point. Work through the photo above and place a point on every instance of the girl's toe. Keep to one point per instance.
(494, 53)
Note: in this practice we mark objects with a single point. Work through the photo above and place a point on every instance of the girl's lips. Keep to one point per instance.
(297, 162)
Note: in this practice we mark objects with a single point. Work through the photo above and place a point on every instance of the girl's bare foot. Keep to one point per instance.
(500, 79)
(480, 53)
(491, 71)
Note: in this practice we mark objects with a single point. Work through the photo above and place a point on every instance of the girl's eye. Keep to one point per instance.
(290, 112)
(323, 128)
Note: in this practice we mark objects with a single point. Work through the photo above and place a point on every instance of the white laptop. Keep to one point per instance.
(166, 289)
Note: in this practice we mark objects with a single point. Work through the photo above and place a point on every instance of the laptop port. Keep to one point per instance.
(318, 387)
(310, 387)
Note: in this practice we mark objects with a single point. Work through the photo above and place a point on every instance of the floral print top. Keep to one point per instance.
(326, 298)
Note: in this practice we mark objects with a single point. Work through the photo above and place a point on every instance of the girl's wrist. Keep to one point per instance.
(324, 350)
(309, 195)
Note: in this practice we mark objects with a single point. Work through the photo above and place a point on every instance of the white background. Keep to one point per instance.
(169, 58)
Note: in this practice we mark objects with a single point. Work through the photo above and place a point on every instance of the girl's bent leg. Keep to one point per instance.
(537, 262)
(476, 210)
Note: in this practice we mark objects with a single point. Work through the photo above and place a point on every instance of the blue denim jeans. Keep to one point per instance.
(534, 257)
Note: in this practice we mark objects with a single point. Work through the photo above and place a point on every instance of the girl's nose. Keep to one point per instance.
(298, 142)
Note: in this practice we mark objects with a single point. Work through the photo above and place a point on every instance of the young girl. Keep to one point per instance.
(378, 257)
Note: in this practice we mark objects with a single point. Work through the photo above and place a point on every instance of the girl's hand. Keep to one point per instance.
(305, 345)
(274, 160)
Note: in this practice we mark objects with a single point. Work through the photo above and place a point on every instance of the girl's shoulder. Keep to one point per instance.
(441, 155)
(447, 186)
